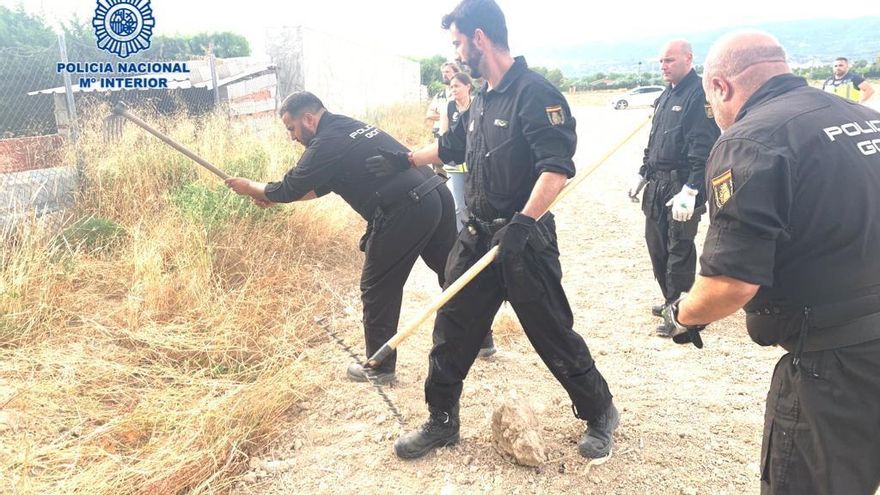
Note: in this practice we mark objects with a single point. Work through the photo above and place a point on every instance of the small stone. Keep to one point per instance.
(275, 466)
(515, 432)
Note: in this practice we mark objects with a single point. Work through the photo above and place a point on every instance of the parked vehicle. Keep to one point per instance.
(640, 96)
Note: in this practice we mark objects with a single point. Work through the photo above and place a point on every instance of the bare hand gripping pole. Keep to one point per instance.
(121, 110)
(387, 348)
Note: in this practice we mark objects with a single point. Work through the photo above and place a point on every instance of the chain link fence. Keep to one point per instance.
(37, 180)
(41, 164)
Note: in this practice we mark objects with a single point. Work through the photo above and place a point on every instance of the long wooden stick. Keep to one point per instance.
(121, 110)
(465, 278)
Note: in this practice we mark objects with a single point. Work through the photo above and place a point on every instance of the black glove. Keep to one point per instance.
(516, 274)
(682, 334)
(513, 237)
(388, 162)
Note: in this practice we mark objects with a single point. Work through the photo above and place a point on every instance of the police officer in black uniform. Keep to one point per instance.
(408, 215)
(674, 165)
(795, 238)
(518, 140)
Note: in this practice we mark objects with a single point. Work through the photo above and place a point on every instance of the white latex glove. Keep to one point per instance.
(637, 185)
(683, 204)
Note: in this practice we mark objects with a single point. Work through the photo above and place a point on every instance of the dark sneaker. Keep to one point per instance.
(487, 348)
(658, 310)
(356, 372)
(440, 430)
(665, 330)
(597, 441)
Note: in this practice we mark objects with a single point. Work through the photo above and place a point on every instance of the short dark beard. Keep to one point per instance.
(475, 56)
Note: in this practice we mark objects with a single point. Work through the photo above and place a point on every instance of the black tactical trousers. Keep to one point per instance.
(545, 315)
(670, 243)
(822, 422)
(397, 238)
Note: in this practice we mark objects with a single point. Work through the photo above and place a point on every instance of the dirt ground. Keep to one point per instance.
(690, 419)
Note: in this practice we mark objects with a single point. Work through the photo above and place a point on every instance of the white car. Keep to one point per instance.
(641, 96)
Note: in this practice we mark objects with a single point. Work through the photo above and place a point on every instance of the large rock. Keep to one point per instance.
(515, 433)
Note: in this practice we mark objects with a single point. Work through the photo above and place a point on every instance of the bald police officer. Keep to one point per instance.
(408, 215)
(682, 133)
(794, 238)
(518, 140)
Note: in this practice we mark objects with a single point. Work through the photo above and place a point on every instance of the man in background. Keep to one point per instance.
(847, 84)
(683, 131)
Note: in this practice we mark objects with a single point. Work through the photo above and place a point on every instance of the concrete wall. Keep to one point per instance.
(349, 77)
(32, 193)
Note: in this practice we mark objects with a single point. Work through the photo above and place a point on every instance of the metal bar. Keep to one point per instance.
(386, 349)
(121, 110)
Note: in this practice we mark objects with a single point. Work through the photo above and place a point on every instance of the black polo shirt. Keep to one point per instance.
(683, 131)
(335, 161)
(794, 196)
(509, 136)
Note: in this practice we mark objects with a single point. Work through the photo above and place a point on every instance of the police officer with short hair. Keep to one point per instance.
(408, 215)
(518, 140)
(682, 133)
(795, 238)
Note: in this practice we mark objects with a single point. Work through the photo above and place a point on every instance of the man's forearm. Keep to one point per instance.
(867, 91)
(545, 191)
(713, 298)
(428, 155)
(257, 190)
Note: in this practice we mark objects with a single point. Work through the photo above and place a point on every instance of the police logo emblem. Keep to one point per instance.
(723, 188)
(676, 108)
(500, 123)
(555, 115)
(123, 27)
(709, 113)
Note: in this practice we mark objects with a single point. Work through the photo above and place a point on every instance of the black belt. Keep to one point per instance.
(487, 227)
(394, 201)
(832, 325)
(674, 174)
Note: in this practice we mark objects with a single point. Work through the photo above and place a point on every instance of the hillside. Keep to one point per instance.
(807, 41)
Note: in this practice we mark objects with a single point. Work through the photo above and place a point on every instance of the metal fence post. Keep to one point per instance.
(212, 62)
(71, 110)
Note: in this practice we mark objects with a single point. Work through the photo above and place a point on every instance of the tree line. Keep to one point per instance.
(29, 49)
(430, 68)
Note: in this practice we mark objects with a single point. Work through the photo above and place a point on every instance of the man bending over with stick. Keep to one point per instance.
(408, 215)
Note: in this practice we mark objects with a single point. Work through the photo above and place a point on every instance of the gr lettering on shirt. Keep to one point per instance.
(852, 129)
(367, 132)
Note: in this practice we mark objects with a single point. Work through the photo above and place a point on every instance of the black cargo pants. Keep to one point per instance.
(544, 313)
(822, 422)
(397, 237)
(670, 243)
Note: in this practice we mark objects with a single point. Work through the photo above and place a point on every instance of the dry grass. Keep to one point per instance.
(155, 360)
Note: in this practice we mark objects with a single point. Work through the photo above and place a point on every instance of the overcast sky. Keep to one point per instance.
(412, 27)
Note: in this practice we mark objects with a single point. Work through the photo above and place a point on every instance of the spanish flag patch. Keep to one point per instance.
(723, 188)
(555, 115)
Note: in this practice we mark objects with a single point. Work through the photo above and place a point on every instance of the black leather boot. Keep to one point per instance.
(657, 310)
(597, 441)
(440, 430)
(356, 372)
